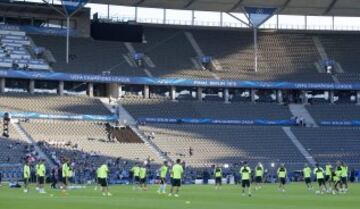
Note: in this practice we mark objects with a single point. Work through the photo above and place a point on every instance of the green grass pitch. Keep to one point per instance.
(191, 197)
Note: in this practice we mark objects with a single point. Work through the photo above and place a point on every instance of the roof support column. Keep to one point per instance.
(108, 10)
(164, 16)
(173, 93)
(60, 89)
(221, 19)
(192, 17)
(136, 14)
(332, 97)
(199, 94)
(90, 90)
(2, 85)
(146, 92)
(31, 89)
(253, 95)
(226, 95)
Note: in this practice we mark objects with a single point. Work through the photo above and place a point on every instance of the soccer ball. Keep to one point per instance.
(317, 192)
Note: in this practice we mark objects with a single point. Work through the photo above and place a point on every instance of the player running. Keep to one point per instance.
(328, 176)
(97, 179)
(282, 174)
(177, 174)
(218, 177)
(41, 172)
(142, 176)
(259, 175)
(103, 179)
(37, 166)
(163, 173)
(344, 176)
(136, 179)
(66, 174)
(337, 179)
(245, 172)
(26, 176)
(307, 177)
(320, 177)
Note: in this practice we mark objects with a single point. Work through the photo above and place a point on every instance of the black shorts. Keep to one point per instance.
(344, 180)
(65, 180)
(103, 182)
(26, 181)
(307, 180)
(218, 180)
(162, 180)
(136, 179)
(176, 182)
(327, 178)
(245, 183)
(41, 179)
(143, 181)
(321, 182)
(258, 179)
(283, 181)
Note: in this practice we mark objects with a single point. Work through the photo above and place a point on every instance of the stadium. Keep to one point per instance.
(179, 104)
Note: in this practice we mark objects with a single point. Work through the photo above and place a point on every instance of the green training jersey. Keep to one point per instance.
(282, 172)
(218, 172)
(41, 170)
(103, 171)
(26, 172)
(37, 166)
(136, 171)
(319, 173)
(328, 169)
(65, 170)
(98, 172)
(344, 173)
(259, 171)
(163, 171)
(177, 171)
(307, 172)
(142, 173)
(338, 173)
(245, 173)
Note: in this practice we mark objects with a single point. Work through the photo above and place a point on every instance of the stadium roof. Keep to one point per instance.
(288, 7)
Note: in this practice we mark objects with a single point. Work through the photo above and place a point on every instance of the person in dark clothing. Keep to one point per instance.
(352, 176)
(53, 178)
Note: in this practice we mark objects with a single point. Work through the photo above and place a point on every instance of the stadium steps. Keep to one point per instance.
(200, 53)
(324, 56)
(150, 144)
(123, 115)
(21, 131)
(320, 48)
(127, 119)
(299, 110)
(298, 144)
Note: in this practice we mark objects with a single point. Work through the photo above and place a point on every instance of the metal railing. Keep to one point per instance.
(229, 24)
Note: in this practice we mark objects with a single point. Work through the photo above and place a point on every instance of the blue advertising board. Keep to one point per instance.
(39, 30)
(34, 115)
(340, 123)
(59, 76)
(217, 122)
